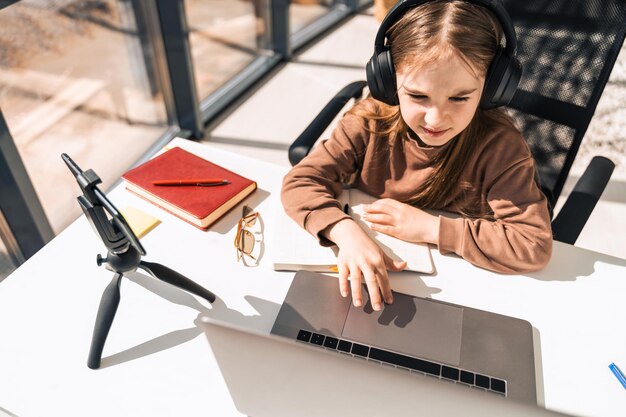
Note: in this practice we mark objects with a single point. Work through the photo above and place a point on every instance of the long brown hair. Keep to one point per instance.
(422, 36)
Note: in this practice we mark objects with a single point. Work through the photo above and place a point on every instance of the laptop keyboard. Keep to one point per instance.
(451, 373)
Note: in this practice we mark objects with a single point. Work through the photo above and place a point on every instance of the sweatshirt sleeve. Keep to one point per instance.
(520, 237)
(310, 189)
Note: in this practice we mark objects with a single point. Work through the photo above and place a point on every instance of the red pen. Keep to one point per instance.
(206, 182)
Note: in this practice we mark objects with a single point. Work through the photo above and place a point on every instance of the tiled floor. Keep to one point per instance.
(271, 117)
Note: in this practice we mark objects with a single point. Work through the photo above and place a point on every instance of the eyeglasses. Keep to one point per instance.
(244, 239)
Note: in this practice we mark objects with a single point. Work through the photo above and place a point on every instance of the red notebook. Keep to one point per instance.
(198, 205)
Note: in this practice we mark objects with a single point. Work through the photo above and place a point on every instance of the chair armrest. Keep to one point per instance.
(303, 143)
(571, 219)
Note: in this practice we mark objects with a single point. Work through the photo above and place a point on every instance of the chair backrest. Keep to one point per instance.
(568, 49)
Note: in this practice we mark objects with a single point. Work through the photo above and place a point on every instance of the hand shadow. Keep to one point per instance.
(411, 283)
(406, 285)
(401, 312)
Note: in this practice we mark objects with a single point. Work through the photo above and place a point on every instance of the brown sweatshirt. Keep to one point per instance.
(501, 171)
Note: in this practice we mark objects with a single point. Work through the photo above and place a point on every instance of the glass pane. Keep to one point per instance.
(6, 264)
(304, 12)
(74, 79)
(225, 37)
(381, 7)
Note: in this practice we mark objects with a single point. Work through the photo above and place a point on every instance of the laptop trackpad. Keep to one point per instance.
(413, 326)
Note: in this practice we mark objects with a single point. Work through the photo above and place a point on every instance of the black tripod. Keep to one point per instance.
(124, 255)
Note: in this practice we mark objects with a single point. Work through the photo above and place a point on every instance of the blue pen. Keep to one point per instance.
(618, 374)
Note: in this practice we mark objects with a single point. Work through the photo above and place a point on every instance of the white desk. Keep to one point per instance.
(157, 362)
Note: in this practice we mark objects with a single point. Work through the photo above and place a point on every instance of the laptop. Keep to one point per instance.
(272, 376)
(454, 343)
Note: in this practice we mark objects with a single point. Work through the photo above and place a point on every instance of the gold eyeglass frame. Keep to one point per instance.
(244, 238)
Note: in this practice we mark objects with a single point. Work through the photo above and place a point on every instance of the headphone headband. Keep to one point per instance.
(501, 79)
(494, 5)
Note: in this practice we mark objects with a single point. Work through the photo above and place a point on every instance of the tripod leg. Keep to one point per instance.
(106, 312)
(174, 278)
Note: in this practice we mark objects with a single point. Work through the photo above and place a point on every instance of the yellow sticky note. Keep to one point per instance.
(139, 221)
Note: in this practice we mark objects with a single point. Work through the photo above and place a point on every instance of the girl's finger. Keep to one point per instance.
(376, 207)
(378, 218)
(387, 230)
(393, 265)
(355, 285)
(344, 287)
(372, 288)
(385, 286)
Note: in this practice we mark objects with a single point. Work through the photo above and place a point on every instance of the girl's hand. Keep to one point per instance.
(402, 221)
(360, 258)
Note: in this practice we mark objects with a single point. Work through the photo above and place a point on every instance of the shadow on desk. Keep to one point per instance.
(218, 310)
(408, 282)
(573, 263)
(230, 219)
(6, 412)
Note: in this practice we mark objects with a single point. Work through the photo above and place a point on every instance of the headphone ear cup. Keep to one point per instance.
(381, 78)
(373, 79)
(388, 76)
(501, 82)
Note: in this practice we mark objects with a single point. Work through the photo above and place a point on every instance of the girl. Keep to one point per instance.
(435, 150)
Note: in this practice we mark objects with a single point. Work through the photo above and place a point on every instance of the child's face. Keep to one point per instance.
(439, 101)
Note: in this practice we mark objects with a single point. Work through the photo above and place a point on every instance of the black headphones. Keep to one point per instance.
(502, 77)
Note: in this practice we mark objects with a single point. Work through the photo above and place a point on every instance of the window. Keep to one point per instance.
(225, 36)
(304, 12)
(77, 77)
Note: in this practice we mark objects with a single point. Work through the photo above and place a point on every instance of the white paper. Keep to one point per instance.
(293, 248)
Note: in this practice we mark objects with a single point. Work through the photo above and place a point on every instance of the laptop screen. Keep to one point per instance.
(274, 376)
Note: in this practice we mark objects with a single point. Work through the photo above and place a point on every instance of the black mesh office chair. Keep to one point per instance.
(568, 49)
